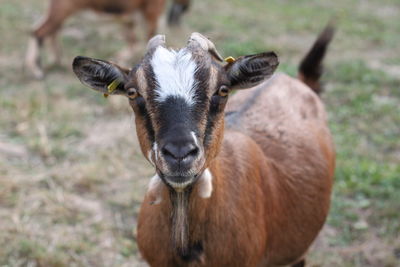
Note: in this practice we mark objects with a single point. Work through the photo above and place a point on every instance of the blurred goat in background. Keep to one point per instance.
(60, 10)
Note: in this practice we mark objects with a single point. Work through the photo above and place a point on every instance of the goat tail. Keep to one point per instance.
(311, 68)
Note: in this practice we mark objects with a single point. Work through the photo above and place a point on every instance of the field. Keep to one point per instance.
(71, 173)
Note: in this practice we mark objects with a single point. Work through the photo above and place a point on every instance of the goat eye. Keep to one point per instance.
(223, 90)
(132, 93)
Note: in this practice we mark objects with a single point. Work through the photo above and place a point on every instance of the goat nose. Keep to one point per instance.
(180, 151)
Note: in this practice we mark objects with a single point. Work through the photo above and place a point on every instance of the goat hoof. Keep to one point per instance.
(38, 74)
(34, 71)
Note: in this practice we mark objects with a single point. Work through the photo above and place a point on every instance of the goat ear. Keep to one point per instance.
(249, 71)
(100, 75)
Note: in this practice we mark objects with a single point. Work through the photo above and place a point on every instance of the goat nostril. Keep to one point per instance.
(189, 151)
(168, 153)
(180, 152)
(193, 152)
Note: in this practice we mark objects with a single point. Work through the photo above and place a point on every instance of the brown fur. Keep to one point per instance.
(259, 192)
(272, 182)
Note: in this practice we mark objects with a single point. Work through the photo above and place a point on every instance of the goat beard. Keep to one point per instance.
(180, 221)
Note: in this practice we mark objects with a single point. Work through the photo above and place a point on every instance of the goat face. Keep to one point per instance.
(178, 98)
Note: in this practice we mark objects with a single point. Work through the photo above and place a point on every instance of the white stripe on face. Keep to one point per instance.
(194, 138)
(155, 150)
(174, 72)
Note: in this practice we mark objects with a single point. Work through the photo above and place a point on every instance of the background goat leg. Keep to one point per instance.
(58, 12)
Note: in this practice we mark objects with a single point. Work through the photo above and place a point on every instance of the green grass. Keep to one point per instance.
(71, 172)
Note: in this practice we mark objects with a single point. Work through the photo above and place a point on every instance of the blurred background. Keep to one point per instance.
(72, 176)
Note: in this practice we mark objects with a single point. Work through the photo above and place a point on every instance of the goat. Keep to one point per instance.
(60, 10)
(256, 194)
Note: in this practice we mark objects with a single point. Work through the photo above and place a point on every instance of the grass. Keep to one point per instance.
(71, 172)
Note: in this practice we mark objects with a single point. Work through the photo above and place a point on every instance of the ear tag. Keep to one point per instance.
(105, 95)
(230, 59)
(112, 86)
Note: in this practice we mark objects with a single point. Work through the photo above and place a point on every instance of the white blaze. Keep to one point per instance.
(174, 72)
(194, 138)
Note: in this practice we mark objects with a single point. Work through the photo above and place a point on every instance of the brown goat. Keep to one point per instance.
(256, 194)
(60, 10)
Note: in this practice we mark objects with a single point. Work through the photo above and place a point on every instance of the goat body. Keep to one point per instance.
(255, 194)
(272, 183)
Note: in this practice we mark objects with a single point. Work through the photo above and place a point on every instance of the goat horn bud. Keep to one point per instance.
(205, 44)
(155, 42)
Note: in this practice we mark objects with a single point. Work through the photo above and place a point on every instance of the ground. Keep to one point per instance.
(72, 176)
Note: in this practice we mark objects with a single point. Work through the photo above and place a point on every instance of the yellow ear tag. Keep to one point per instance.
(230, 59)
(113, 85)
(105, 95)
